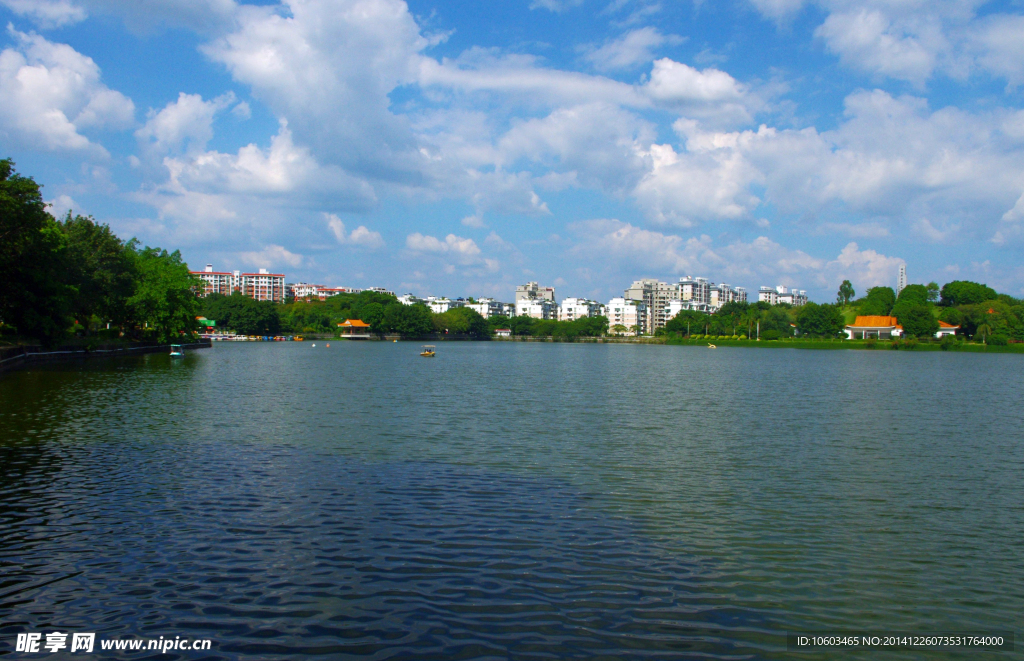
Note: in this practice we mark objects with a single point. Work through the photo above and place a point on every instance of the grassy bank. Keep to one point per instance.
(865, 345)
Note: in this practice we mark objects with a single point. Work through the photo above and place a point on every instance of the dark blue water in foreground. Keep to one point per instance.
(512, 500)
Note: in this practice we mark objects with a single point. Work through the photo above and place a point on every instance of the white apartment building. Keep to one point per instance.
(263, 286)
(626, 313)
(409, 299)
(781, 294)
(379, 290)
(532, 290)
(538, 308)
(572, 309)
(723, 293)
(440, 305)
(301, 290)
(665, 300)
(216, 282)
(696, 290)
(488, 307)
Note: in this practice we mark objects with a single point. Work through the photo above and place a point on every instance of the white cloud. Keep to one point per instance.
(998, 44)
(50, 92)
(633, 48)
(360, 236)
(474, 221)
(778, 9)
(203, 16)
(1017, 212)
(855, 230)
(866, 268)
(520, 77)
(328, 67)
(866, 40)
(927, 229)
(888, 158)
(47, 13)
(639, 251)
(599, 145)
(710, 94)
(61, 205)
(461, 248)
(182, 125)
(242, 110)
(686, 188)
(272, 256)
(557, 6)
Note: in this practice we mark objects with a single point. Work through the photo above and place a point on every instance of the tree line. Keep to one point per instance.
(980, 312)
(71, 276)
(383, 312)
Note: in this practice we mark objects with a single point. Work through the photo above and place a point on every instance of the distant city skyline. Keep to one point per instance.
(429, 146)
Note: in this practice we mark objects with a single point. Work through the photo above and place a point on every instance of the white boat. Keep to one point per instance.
(177, 351)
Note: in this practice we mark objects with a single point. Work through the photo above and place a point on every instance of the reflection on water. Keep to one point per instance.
(511, 500)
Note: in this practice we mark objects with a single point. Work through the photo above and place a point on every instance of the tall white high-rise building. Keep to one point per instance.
(901, 280)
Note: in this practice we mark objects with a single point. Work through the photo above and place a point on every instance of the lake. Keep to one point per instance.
(513, 500)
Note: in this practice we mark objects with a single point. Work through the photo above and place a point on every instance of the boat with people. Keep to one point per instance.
(428, 351)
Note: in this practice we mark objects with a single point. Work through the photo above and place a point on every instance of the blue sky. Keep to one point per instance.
(461, 148)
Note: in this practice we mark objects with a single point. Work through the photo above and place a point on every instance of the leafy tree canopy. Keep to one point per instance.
(917, 320)
(820, 320)
(878, 301)
(846, 293)
(34, 294)
(965, 292)
(914, 294)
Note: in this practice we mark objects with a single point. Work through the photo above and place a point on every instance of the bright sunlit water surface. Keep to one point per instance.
(508, 500)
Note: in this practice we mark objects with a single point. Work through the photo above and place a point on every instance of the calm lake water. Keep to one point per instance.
(511, 500)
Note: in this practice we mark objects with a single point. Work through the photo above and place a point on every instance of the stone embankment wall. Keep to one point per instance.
(21, 357)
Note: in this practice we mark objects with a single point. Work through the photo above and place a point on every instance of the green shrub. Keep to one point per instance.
(998, 341)
(771, 335)
(948, 343)
(871, 344)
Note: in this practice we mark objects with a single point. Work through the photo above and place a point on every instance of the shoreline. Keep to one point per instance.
(20, 357)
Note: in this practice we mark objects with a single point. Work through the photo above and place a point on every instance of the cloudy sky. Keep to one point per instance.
(460, 147)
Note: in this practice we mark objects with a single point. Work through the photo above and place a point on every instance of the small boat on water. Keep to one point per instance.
(428, 351)
(177, 351)
(711, 346)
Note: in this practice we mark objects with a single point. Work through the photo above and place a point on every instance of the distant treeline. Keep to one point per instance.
(383, 312)
(980, 312)
(62, 277)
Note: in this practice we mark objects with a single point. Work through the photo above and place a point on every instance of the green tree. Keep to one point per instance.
(917, 320)
(820, 320)
(248, 316)
(101, 267)
(373, 314)
(34, 294)
(878, 301)
(913, 293)
(778, 319)
(965, 292)
(687, 321)
(165, 298)
(521, 325)
(846, 293)
(933, 292)
(619, 329)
